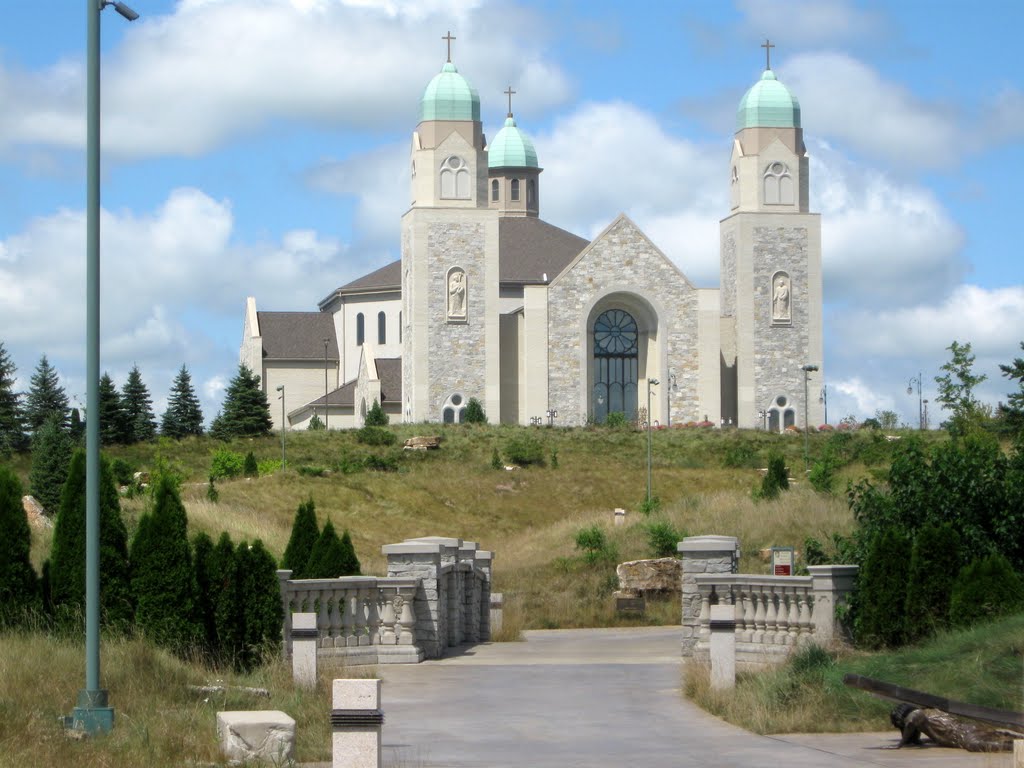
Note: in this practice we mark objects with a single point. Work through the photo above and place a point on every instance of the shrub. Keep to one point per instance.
(882, 590)
(307, 470)
(371, 435)
(350, 463)
(647, 506)
(376, 463)
(741, 454)
(352, 565)
(496, 462)
(594, 544)
(225, 604)
(776, 479)
(474, 413)
(984, 590)
(814, 552)
(226, 463)
(524, 450)
(212, 494)
(823, 473)
(19, 591)
(316, 424)
(250, 468)
(615, 420)
(934, 563)
(268, 466)
(554, 458)
(260, 594)
(375, 417)
(123, 472)
(206, 589)
(662, 538)
(305, 533)
(330, 558)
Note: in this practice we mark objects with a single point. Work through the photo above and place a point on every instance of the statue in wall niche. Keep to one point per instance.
(781, 298)
(457, 293)
(948, 730)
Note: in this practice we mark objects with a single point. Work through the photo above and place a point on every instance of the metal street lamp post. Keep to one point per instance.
(93, 713)
(551, 414)
(284, 426)
(650, 383)
(807, 369)
(916, 380)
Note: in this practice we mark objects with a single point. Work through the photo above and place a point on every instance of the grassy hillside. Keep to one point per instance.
(528, 516)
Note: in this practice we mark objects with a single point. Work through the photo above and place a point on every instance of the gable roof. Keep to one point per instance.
(387, 277)
(531, 248)
(297, 335)
(389, 369)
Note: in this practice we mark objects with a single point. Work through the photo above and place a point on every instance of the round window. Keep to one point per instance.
(456, 399)
(777, 169)
(781, 401)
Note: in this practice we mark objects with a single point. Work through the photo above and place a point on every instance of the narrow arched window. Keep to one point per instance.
(515, 190)
(531, 193)
(382, 328)
(778, 185)
(495, 187)
(360, 330)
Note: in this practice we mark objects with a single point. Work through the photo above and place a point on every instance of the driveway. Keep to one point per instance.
(596, 697)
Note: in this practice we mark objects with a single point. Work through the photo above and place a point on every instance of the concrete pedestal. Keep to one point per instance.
(304, 637)
(723, 647)
(356, 721)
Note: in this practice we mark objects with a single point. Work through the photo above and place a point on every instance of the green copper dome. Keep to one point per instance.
(449, 96)
(511, 148)
(768, 104)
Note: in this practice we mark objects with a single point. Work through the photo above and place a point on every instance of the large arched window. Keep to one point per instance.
(360, 329)
(382, 328)
(616, 356)
(454, 179)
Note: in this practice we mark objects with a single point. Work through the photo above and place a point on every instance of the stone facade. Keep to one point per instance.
(702, 555)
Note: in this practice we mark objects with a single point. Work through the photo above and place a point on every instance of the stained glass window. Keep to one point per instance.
(615, 333)
(615, 365)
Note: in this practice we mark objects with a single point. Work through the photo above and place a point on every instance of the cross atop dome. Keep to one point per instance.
(449, 37)
(767, 45)
(509, 93)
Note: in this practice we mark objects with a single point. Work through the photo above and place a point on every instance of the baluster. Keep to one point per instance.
(345, 638)
(328, 600)
(705, 614)
(794, 615)
(372, 616)
(805, 616)
(407, 620)
(757, 594)
(748, 614)
(360, 629)
(387, 634)
(324, 618)
(771, 616)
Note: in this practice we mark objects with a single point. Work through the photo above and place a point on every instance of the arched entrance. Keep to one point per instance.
(615, 366)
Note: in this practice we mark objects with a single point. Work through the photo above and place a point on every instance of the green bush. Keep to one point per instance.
(647, 506)
(350, 463)
(371, 435)
(496, 462)
(376, 463)
(305, 533)
(474, 413)
(316, 424)
(226, 463)
(984, 590)
(814, 552)
(19, 591)
(250, 468)
(375, 417)
(268, 466)
(741, 454)
(212, 494)
(332, 557)
(595, 545)
(123, 472)
(615, 420)
(554, 458)
(662, 538)
(882, 590)
(823, 472)
(934, 563)
(776, 479)
(307, 470)
(260, 595)
(524, 450)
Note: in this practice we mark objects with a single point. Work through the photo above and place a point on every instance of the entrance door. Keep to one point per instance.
(615, 365)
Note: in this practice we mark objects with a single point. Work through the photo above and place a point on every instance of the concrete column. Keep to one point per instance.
(830, 585)
(484, 562)
(304, 637)
(702, 554)
(422, 560)
(723, 647)
(356, 721)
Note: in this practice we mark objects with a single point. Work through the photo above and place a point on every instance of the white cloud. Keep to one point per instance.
(810, 22)
(184, 83)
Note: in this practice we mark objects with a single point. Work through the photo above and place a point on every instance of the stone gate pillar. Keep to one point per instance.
(702, 554)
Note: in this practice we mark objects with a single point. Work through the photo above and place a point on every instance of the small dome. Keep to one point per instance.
(768, 104)
(449, 96)
(511, 148)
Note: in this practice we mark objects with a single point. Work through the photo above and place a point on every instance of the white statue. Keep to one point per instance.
(457, 294)
(780, 299)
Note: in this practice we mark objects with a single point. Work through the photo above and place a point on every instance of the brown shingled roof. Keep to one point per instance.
(387, 277)
(297, 335)
(389, 369)
(343, 395)
(531, 248)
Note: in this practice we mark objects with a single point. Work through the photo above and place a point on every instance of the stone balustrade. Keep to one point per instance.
(773, 614)
(436, 595)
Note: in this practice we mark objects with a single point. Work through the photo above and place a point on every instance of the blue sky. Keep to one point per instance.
(259, 147)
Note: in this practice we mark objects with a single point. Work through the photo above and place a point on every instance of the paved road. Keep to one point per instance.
(595, 698)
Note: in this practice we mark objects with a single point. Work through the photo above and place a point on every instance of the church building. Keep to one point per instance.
(489, 301)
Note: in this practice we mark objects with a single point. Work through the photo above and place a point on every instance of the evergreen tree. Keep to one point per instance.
(1014, 410)
(51, 456)
(77, 428)
(67, 556)
(375, 417)
(218, 429)
(305, 533)
(327, 560)
(202, 557)
(474, 413)
(251, 468)
(246, 410)
(226, 602)
(19, 590)
(183, 416)
(934, 562)
(12, 420)
(163, 581)
(113, 420)
(138, 408)
(882, 590)
(45, 396)
(352, 566)
(260, 593)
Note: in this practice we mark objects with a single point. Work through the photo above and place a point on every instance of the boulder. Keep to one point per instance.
(423, 443)
(256, 736)
(664, 574)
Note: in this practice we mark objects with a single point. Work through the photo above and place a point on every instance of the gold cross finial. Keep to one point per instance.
(767, 45)
(449, 37)
(509, 93)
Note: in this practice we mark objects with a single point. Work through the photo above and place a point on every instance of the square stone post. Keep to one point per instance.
(830, 585)
(723, 647)
(422, 561)
(304, 637)
(356, 721)
(483, 562)
(702, 554)
(283, 577)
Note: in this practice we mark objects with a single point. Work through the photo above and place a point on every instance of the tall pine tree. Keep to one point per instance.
(12, 420)
(138, 408)
(67, 557)
(52, 447)
(45, 397)
(19, 590)
(163, 579)
(305, 532)
(260, 592)
(226, 602)
(331, 558)
(113, 424)
(246, 410)
(183, 416)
